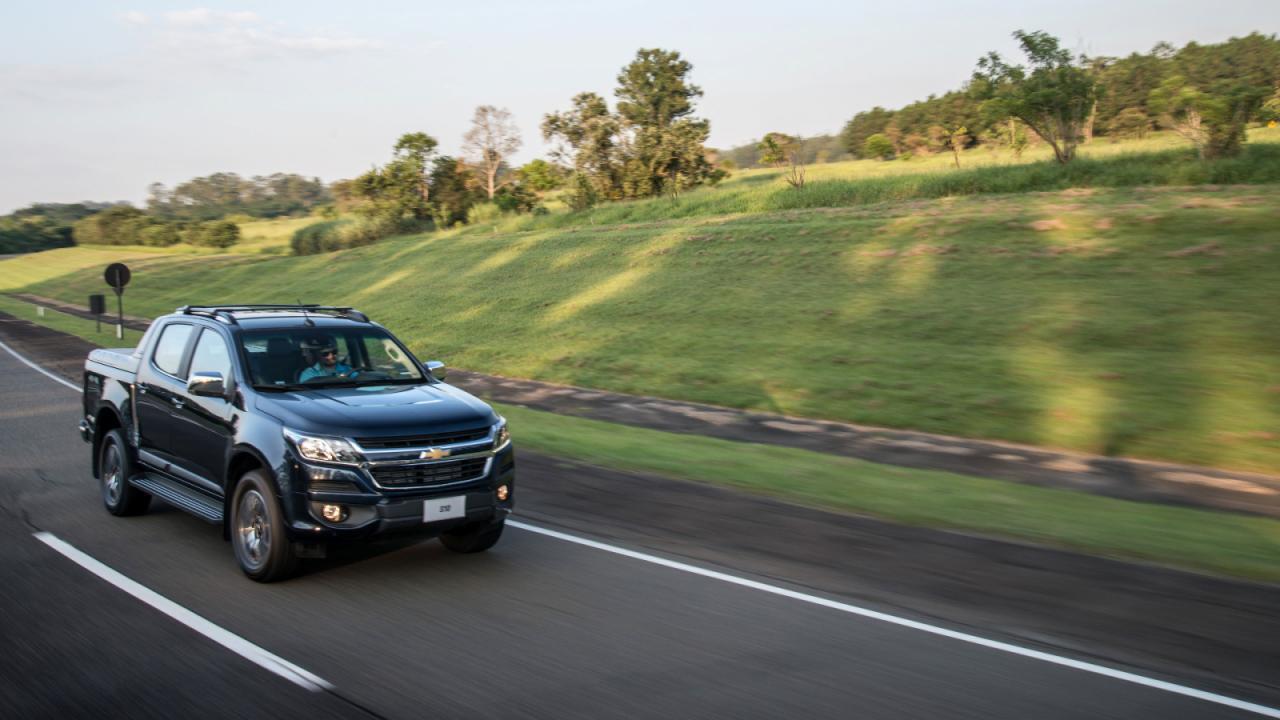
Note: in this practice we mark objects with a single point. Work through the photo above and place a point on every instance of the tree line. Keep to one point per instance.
(42, 226)
(224, 193)
(1207, 93)
(651, 142)
(127, 225)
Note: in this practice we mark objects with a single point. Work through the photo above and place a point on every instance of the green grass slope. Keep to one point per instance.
(1135, 322)
(1157, 161)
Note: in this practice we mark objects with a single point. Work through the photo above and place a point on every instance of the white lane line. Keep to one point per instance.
(225, 638)
(912, 624)
(39, 369)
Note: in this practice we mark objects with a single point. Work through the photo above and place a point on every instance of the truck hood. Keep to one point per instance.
(378, 410)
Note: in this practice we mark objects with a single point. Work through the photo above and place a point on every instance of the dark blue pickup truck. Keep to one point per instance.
(292, 427)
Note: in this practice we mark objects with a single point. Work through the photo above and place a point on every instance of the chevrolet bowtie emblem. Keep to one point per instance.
(433, 454)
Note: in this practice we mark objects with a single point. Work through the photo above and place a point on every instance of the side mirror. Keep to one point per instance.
(437, 369)
(207, 384)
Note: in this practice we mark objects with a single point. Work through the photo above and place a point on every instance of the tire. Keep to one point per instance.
(474, 538)
(115, 467)
(258, 534)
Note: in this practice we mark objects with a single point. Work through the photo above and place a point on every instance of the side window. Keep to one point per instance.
(211, 355)
(173, 340)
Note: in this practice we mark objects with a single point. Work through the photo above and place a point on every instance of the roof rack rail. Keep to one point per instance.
(224, 313)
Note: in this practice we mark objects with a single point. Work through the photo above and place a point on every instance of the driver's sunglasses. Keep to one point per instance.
(324, 353)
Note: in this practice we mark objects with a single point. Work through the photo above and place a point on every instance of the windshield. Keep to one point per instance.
(318, 357)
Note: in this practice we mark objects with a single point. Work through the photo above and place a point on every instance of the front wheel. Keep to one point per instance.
(474, 538)
(258, 530)
(115, 467)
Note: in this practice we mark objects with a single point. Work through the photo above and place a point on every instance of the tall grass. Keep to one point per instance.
(763, 193)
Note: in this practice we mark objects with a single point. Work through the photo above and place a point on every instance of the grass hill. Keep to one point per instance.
(1120, 320)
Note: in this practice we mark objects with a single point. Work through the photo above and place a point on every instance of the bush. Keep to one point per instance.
(878, 146)
(113, 226)
(310, 239)
(484, 213)
(159, 234)
(514, 199)
(331, 235)
(215, 233)
(366, 231)
(30, 235)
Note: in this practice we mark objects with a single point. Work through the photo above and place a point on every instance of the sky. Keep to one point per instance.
(100, 99)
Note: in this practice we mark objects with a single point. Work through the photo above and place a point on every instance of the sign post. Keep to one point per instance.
(117, 276)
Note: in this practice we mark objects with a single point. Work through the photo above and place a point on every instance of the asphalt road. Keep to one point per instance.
(537, 627)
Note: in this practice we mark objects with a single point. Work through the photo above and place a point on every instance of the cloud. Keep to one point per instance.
(204, 17)
(133, 17)
(242, 35)
(57, 84)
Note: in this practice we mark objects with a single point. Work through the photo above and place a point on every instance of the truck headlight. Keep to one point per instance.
(501, 436)
(323, 449)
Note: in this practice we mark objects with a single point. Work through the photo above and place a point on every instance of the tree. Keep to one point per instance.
(652, 145)
(655, 101)
(785, 151)
(774, 148)
(1214, 121)
(877, 146)
(1270, 112)
(401, 187)
(413, 151)
(1130, 122)
(541, 176)
(587, 139)
(493, 137)
(862, 126)
(454, 189)
(957, 139)
(1053, 96)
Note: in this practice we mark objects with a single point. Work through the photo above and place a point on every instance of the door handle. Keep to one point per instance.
(142, 389)
(178, 402)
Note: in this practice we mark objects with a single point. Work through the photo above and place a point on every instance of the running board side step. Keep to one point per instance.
(202, 505)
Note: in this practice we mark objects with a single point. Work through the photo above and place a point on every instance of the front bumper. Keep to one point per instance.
(373, 512)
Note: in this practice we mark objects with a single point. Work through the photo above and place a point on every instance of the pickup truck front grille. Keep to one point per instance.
(428, 474)
(433, 440)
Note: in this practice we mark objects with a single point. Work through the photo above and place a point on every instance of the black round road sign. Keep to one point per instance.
(117, 275)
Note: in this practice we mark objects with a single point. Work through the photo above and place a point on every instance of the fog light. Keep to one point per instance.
(333, 513)
(503, 493)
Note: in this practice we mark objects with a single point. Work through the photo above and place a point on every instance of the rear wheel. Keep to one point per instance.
(258, 535)
(474, 538)
(115, 467)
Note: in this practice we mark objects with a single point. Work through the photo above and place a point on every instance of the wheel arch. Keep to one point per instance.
(106, 420)
(243, 459)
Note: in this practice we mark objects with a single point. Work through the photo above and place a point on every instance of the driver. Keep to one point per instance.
(324, 352)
